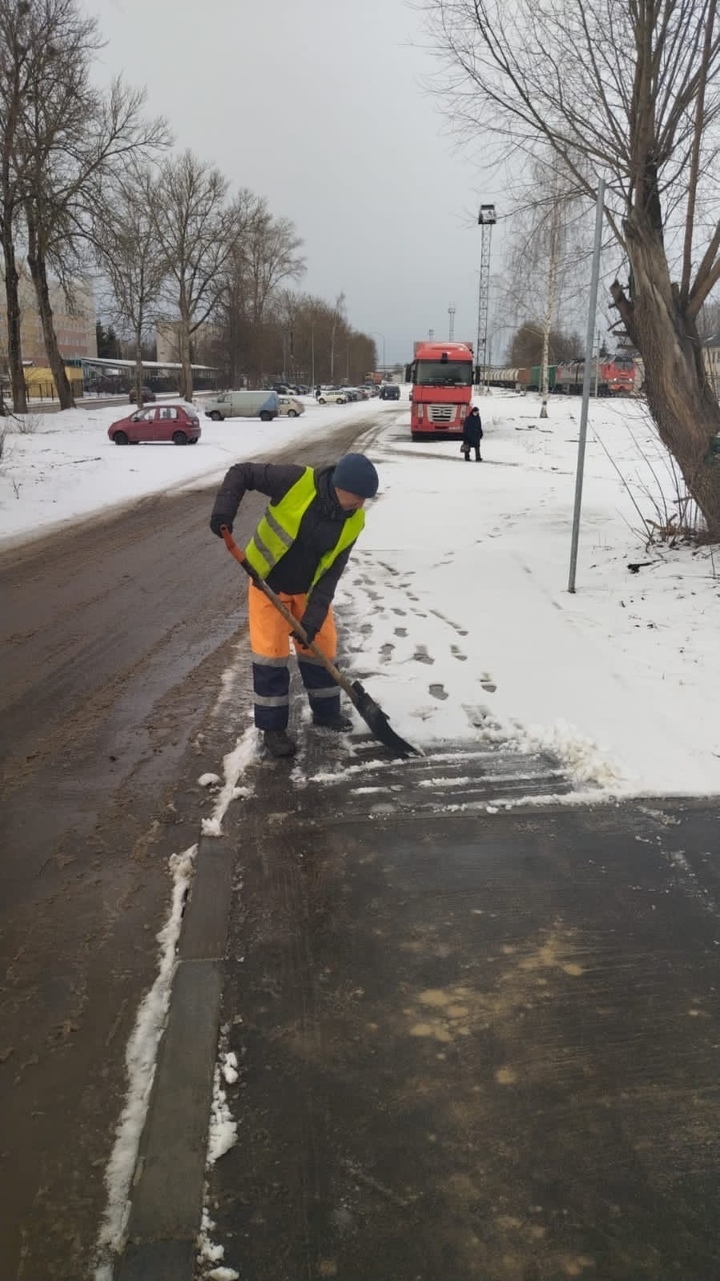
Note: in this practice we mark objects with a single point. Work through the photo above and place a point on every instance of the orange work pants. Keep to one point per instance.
(270, 644)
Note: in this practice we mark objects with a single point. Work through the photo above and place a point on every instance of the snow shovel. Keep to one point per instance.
(373, 715)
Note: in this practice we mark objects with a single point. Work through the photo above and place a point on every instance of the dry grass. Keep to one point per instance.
(671, 515)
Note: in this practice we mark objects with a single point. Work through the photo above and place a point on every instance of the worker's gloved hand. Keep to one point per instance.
(217, 522)
(310, 628)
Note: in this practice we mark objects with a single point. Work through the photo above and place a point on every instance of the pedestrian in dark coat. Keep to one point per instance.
(472, 435)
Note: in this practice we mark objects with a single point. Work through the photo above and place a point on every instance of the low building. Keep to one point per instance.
(711, 359)
(201, 343)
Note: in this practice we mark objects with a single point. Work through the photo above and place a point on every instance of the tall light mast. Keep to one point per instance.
(486, 220)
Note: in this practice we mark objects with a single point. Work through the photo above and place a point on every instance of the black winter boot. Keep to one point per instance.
(339, 723)
(279, 743)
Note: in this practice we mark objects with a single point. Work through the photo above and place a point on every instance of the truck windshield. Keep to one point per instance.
(436, 373)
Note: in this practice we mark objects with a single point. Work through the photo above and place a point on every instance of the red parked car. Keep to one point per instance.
(158, 422)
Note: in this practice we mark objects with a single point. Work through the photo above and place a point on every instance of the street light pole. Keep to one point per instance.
(377, 334)
(479, 320)
(582, 432)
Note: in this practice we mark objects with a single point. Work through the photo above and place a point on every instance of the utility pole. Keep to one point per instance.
(431, 334)
(486, 220)
(582, 432)
(451, 327)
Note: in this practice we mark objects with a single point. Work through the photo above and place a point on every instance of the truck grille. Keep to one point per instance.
(441, 413)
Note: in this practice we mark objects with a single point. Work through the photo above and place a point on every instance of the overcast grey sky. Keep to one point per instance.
(319, 106)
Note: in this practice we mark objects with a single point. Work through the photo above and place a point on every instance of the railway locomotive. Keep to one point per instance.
(616, 376)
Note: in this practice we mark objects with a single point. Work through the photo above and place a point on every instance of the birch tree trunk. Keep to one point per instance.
(551, 304)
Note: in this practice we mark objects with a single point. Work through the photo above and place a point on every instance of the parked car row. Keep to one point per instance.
(341, 395)
(290, 389)
(181, 425)
(332, 396)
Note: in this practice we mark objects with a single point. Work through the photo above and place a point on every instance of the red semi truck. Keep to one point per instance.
(442, 376)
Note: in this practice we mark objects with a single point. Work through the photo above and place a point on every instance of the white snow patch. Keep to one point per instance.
(229, 1067)
(234, 764)
(140, 1062)
(223, 1129)
(207, 780)
(210, 1254)
(586, 762)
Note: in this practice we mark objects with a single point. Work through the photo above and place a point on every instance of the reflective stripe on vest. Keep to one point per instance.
(280, 525)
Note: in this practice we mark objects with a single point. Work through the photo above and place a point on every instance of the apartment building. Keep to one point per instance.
(74, 324)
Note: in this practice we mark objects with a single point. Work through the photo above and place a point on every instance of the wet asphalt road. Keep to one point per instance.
(114, 636)
(470, 1046)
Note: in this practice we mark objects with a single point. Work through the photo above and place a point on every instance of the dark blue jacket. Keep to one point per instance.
(472, 429)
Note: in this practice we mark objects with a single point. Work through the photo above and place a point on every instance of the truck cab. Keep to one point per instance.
(442, 376)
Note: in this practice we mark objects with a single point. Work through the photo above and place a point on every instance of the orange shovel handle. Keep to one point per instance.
(231, 545)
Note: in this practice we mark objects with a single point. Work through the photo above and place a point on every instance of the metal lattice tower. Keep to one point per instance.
(451, 326)
(486, 220)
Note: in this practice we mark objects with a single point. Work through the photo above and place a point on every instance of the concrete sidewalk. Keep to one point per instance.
(470, 1045)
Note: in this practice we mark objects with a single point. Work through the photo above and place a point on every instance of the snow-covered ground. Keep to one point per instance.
(457, 592)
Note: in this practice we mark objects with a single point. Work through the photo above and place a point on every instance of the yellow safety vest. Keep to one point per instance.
(279, 528)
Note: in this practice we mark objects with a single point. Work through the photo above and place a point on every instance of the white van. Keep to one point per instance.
(244, 404)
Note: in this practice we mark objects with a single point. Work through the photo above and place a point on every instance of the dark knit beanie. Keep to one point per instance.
(356, 474)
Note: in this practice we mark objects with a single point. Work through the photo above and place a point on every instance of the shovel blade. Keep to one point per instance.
(376, 720)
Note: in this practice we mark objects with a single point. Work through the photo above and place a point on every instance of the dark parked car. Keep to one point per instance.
(147, 393)
(390, 392)
(165, 423)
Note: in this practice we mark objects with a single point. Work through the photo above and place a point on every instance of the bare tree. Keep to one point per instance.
(628, 92)
(58, 103)
(545, 242)
(59, 139)
(264, 257)
(528, 344)
(196, 229)
(78, 140)
(269, 248)
(132, 259)
(18, 54)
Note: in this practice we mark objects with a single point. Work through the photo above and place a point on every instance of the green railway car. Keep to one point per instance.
(535, 383)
